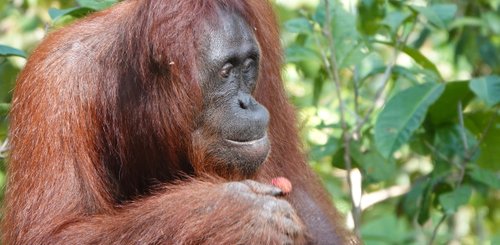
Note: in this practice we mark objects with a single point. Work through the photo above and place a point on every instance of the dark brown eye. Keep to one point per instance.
(248, 65)
(226, 70)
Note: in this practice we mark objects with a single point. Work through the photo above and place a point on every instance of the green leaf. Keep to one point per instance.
(96, 4)
(4, 108)
(328, 149)
(399, 71)
(488, 51)
(343, 24)
(424, 212)
(296, 53)
(385, 229)
(487, 88)
(317, 88)
(477, 122)
(495, 239)
(371, 12)
(421, 59)
(10, 51)
(349, 47)
(299, 25)
(375, 167)
(422, 37)
(402, 115)
(439, 15)
(445, 12)
(452, 200)
(490, 18)
(448, 143)
(445, 108)
(484, 176)
(412, 201)
(395, 19)
(466, 21)
(419, 142)
(417, 57)
(351, 55)
(55, 14)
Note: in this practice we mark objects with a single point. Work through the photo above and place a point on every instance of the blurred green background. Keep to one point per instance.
(398, 105)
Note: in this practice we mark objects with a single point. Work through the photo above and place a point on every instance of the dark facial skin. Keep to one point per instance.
(232, 125)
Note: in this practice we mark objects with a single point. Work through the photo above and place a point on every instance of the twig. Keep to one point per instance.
(356, 210)
(462, 126)
(385, 78)
(483, 135)
(435, 151)
(464, 142)
(434, 233)
(466, 159)
(355, 79)
(469, 152)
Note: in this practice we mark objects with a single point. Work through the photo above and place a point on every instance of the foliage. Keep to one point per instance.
(406, 93)
(400, 99)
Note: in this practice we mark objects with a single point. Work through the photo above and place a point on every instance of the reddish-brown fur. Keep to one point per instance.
(100, 134)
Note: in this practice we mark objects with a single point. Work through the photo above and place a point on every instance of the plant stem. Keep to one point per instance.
(400, 42)
(434, 233)
(356, 210)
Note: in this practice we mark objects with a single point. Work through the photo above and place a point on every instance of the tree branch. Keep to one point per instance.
(356, 210)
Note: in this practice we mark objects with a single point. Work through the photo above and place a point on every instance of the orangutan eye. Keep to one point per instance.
(226, 70)
(248, 65)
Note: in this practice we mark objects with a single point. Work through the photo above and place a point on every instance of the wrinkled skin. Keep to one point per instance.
(236, 124)
(232, 120)
(269, 213)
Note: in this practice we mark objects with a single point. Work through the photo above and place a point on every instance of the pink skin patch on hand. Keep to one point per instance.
(283, 183)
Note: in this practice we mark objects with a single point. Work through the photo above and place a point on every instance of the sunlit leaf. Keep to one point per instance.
(402, 115)
(487, 88)
(421, 59)
(417, 57)
(10, 51)
(395, 19)
(298, 25)
(398, 71)
(439, 14)
(466, 21)
(295, 53)
(351, 54)
(55, 14)
(491, 19)
(96, 4)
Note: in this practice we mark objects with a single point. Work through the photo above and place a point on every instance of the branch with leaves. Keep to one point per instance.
(373, 68)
